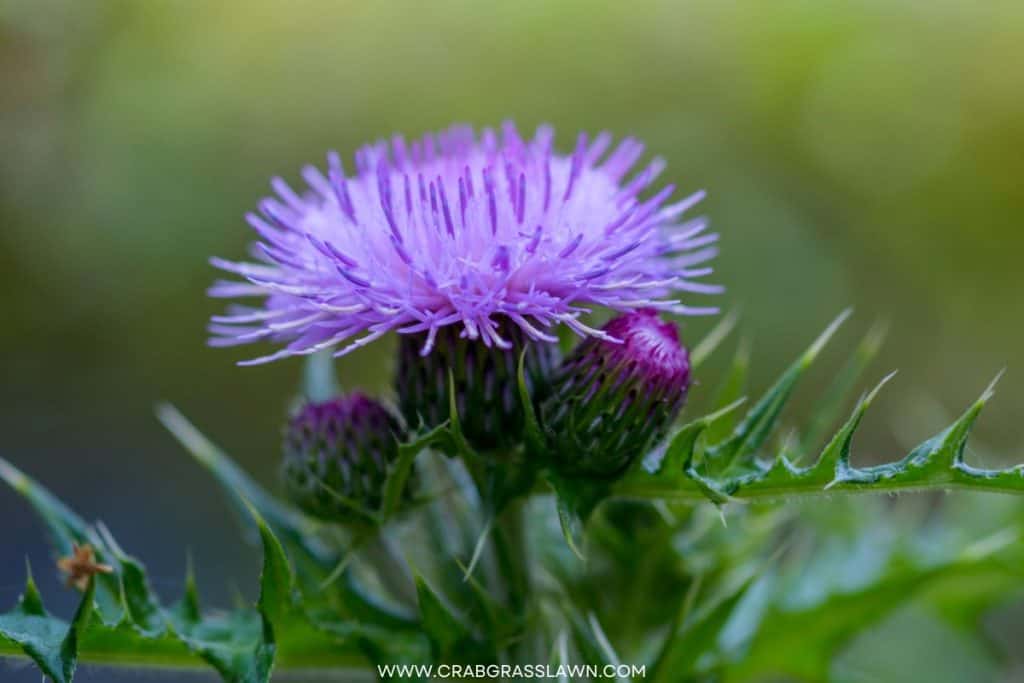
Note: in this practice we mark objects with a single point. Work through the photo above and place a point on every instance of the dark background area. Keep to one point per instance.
(856, 153)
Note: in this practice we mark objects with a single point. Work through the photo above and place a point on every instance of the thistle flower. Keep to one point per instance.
(458, 231)
(610, 402)
(337, 456)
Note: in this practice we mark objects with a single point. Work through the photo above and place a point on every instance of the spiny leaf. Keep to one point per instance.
(608, 653)
(800, 640)
(186, 610)
(831, 403)
(240, 645)
(301, 533)
(48, 641)
(461, 447)
(276, 582)
(835, 459)
(397, 478)
(478, 548)
(681, 617)
(591, 641)
(576, 500)
(141, 606)
(676, 462)
(445, 630)
(682, 447)
(731, 389)
(65, 526)
(713, 339)
(682, 652)
(533, 435)
(752, 431)
(502, 625)
(79, 626)
(67, 529)
(559, 659)
(243, 491)
(936, 463)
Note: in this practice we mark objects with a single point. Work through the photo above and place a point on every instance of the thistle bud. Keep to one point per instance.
(337, 456)
(485, 379)
(612, 401)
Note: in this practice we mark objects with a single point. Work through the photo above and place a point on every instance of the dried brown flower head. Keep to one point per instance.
(81, 566)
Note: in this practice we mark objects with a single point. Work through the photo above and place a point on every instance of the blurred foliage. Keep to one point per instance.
(856, 152)
(790, 592)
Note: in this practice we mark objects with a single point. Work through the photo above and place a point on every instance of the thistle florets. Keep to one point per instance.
(611, 401)
(476, 232)
(337, 456)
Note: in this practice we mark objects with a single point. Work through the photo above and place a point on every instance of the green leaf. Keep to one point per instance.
(241, 645)
(276, 582)
(713, 339)
(50, 642)
(831, 403)
(731, 389)
(458, 444)
(576, 499)
(591, 641)
(675, 464)
(445, 630)
(397, 478)
(801, 642)
(317, 561)
(741, 448)
(735, 469)
(67, 529)
(533, 435)
(681, 655)
(243, 491)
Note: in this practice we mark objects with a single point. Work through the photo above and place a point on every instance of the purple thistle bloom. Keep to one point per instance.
(455, 230)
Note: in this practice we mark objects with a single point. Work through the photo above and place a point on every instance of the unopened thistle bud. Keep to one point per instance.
(485, 378)
(612, 401)
(337, 456)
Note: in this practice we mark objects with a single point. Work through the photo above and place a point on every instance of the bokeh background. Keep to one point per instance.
(861, 153)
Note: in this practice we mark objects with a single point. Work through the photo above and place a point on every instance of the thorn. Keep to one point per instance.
(661, 507)
(823, 338)
(990, 390)
(875, 337)
(991, 544)
(109, 542)
(867, 400)
(339, 569)
(190, 566)
(478, 549)
(722, 412)
(706, 346)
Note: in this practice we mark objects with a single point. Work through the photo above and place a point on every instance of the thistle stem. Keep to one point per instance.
(513, 554)
(391, 569)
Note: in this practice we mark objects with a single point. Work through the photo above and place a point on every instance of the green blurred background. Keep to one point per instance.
(860, 153)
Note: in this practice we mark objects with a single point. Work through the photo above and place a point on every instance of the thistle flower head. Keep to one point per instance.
(484, 378)
(610, 401)
(337, 456)
(460, 230)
